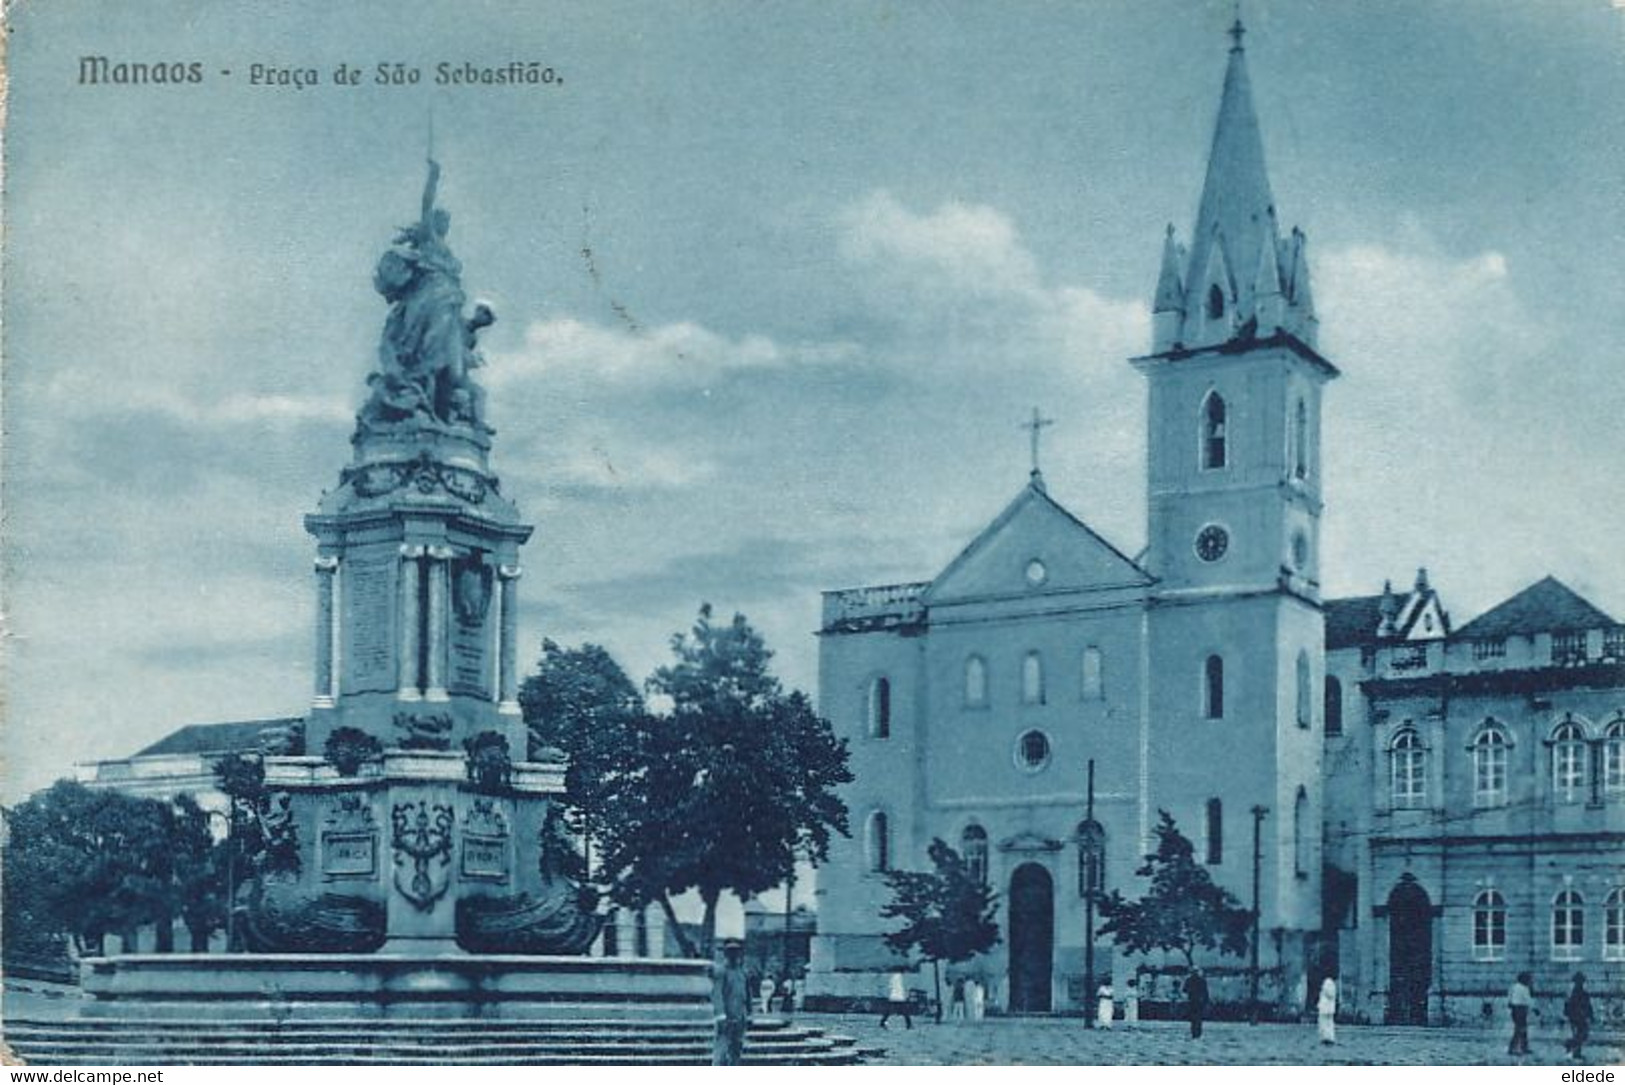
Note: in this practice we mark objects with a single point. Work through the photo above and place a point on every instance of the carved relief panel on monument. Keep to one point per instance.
(421, 841)
(487, 843)
(349, 839)
(472, 583)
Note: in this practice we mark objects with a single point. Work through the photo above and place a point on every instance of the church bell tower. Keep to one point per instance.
(1235, 631)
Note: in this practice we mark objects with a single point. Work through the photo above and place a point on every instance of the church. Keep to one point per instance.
(1040, 700)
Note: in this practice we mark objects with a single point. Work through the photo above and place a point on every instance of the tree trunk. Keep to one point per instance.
(936, 978)
(708, 925)
(688, 948)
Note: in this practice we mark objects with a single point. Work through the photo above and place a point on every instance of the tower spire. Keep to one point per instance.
(1238, 278)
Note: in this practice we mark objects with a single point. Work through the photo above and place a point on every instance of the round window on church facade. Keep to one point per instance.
(1032, 751)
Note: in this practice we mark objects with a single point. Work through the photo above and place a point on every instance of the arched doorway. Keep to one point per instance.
(1410, 953)
(1032, 938)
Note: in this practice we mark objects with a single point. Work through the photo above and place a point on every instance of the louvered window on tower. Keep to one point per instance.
(1213, 431)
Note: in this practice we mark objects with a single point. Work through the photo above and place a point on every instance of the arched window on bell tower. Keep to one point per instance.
(1213, 688)
(1213, 432)
(1300, 442)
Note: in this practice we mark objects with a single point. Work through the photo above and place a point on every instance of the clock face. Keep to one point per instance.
(1211, 543)
(1036, 573)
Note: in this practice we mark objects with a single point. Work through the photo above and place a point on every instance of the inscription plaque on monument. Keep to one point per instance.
(485, 857)
(369, 656)
(349, 855)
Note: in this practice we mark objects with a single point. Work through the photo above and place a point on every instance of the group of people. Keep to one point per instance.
(1577, 1012)
(730, 999)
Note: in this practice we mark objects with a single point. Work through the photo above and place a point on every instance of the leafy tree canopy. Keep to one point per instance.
(86, 863)
(1183, 910)
(727, 789)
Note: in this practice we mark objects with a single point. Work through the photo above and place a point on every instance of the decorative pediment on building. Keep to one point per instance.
(1034, 547)
(1028, 841)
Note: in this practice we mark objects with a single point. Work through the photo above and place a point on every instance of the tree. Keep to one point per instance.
(729, 788)
(200, 873)
(580, 701)
(82, 864)
(1183, 910)
(948, 915)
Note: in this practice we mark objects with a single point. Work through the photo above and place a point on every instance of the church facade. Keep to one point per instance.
(1424, 811)
(975, 701)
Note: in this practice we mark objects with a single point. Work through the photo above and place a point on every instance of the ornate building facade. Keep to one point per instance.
(1430, 810)
(975, 700)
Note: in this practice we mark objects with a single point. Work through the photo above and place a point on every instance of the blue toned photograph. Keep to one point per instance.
(880, 532)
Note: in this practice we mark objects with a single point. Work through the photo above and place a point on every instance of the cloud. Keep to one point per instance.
(682, 353)
(964, 249)
(1466, 422)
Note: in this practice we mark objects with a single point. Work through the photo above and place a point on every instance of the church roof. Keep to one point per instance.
(1545, 606)
(1091, 560)
(221, 738)
(1359, 620)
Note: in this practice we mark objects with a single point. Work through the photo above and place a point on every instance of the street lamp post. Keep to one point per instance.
(1258, 823)
(1089, 854)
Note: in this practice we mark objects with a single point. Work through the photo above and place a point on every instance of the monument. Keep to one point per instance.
(413, 859)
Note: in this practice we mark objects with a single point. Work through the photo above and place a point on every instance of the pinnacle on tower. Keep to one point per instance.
(1240, 280)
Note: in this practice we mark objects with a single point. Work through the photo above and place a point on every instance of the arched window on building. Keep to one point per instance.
(1613, 926)
(1334, 706)
(1213, 431)
(1408, 770)
(1613, 757)
(1300, 833)
(1091, 858)
(877, 842)
(1094, 674)
(1568, 760)
(1032, 678)
(1305, 691)
(976, 681)
(1213, 688)
(1213, 833)
(880, 708)
(1490, 765)
(973, 846)
(1300, 442)
(1489, 926)
(1568, 926)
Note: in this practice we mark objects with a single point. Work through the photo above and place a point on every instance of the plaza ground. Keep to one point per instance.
(1038, 1041)
(1063, 1041)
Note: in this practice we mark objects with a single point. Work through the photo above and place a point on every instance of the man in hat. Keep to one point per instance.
(1196, 1001)
(1579, 1014)
(730, 1001)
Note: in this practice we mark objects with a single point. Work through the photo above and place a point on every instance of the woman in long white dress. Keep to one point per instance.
(1328, 1011)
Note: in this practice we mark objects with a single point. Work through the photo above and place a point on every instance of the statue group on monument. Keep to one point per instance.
(428, 347)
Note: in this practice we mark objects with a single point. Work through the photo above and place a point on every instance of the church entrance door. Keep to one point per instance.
(1032, 938)
(1410, 953)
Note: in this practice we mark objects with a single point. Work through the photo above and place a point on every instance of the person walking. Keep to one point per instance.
(730, 1002)
(1579, 1014)
(957, 1003)
(1196, 1001)
(1519, 999)
(1327, 1008)
(1104, 1008)
(897, 1001)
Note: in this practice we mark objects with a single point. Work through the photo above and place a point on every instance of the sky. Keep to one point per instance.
(776, 285)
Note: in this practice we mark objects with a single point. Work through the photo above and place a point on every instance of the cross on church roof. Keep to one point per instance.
(1037, 424)
(1237, 30)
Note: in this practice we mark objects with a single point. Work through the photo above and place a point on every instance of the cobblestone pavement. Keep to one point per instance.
(1064, 1041)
